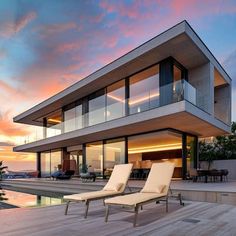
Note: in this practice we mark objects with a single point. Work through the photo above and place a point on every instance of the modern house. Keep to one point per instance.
(150, 105)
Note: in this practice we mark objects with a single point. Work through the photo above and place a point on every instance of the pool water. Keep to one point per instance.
(20, 199)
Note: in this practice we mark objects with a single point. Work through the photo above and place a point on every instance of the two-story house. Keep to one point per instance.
(150, 105)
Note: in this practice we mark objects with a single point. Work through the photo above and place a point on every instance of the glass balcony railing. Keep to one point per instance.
(168, 94)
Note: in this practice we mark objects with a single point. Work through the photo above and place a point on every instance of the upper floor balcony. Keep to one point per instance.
(116, 107)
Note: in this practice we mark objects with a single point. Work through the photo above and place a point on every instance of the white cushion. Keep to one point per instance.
(160, 174)
(133, 199)
(120, 174)
(153, 188)
(113, 187)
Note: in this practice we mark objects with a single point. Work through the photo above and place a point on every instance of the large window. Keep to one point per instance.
(69, 120)
(50, 161)
(114, 151)
(94, 157)
(53, 123)
(144, 90)
(97, 107)
(116, 100)
(45, 164)
(145, 149)
(73, 118)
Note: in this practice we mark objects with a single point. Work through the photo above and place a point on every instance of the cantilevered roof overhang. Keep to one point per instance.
(182, 116)
(180, 42)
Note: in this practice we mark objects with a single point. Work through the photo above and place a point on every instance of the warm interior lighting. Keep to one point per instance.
(116, 98)
(142, 99)
(134, 102)
(155, 148)
(54, 120)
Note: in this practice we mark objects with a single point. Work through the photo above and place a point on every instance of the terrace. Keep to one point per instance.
(202, 218)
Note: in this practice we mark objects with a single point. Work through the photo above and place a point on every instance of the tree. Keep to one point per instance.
(2, 169)
(208, 152)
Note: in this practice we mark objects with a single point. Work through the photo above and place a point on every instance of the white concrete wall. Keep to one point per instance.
(222, 103)
(202, 78)
(230, 165)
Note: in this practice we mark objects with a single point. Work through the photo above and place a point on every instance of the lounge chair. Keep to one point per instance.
(115, 186)
(155, 189)
(90, 176)
(67, 175)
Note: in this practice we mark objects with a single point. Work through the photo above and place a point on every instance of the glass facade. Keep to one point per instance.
(142, 150)
(114, 153)
(156, 86)
(50, 161)
(97, 108)
(94, 157)
(144, 90)
(73, 118)
(115, 100)
(145, 149)
(53, 122)
(45, 164)
(69, 119)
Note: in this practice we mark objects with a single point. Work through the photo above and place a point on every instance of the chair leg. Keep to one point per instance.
(86, 209)
(180, 199)
(107, 213)
(135, 214)
(167, 204)
(67, 206)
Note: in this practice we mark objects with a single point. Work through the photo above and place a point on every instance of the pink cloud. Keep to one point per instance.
(196, 8)
(11, 91)
(51, 29)
(10, 28)
(10, 129)
(25, 20)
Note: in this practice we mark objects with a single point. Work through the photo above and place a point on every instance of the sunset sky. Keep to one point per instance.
(45, 46)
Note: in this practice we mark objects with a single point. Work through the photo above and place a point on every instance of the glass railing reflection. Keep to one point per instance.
(170, 93)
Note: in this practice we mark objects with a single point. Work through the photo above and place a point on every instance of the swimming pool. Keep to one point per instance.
(22, 199)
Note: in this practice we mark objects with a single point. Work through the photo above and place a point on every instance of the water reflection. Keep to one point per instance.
(29, 200)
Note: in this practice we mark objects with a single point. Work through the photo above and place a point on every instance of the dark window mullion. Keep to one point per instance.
(127, 95)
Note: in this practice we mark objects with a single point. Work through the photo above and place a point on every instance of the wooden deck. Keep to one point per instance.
(196, 218)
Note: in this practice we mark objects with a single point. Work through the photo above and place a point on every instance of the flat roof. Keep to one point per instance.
(180, 42)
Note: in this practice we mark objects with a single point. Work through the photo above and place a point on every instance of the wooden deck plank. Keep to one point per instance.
(214, 219)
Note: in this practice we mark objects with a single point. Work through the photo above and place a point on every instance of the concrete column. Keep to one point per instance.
(202, 78)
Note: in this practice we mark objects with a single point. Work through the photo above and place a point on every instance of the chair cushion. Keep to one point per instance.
(113, 187)
(89, 195)
(153, 188)
(120, 174)
(133, 199)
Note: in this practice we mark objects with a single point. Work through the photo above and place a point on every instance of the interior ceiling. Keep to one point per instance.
(181, 47)
(218, 79)
(154, 139)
